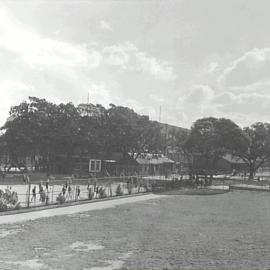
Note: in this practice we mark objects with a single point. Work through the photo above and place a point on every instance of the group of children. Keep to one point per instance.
(43, 193)
(67, 191)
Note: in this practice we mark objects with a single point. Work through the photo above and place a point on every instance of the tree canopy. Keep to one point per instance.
(210, 138)
(46, 131)
(257, 146)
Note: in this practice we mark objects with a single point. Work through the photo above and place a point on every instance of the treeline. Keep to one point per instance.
(44, 131)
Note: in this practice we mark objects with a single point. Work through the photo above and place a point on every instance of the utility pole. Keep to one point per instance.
(160, 113)
(88, 99)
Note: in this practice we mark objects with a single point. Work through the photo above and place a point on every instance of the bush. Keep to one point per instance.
(61, 198)
(3, 205)
(148, 187)
(102, 193)
(8, 200)
(119, 191)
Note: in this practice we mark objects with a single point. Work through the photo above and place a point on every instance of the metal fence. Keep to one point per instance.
(60, 191)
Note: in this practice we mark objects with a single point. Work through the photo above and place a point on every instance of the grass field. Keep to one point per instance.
(228, 231)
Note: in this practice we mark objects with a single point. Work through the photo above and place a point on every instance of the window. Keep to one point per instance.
(94, 165)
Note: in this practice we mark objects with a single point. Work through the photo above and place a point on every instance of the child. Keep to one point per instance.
(47, 196)
(47, 184)
(78, 192)
(69, 193)
(34, 194)
(40, 191)
(64, 190)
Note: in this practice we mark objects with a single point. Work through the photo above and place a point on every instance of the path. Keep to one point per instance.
(14, 218)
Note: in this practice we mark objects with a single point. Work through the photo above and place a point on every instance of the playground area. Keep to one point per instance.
(38, 191)
(53, 191)
(228, 231)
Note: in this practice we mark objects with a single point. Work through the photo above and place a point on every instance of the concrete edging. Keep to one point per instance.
(67, 204)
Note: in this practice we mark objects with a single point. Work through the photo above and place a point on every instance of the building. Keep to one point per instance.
(154, 164)
(227, 164)
(231, 164)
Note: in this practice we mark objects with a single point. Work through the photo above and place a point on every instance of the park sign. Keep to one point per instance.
(94, 165)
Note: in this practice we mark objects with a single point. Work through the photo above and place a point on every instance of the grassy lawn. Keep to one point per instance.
(228, 231)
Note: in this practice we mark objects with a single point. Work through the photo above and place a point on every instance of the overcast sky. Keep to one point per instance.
(193, 58)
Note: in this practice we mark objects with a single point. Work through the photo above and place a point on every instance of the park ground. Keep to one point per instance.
(228, 231)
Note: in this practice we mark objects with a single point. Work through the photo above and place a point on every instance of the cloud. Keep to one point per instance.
(128, 57)
(11, 93)
(41, 52)
(249, 104)
(141, 109)
(199, 94)
(250, 69)
(100, 93)
(244, 108)
(104, 25)
(118, 55)
(160, 70)
(212, 67)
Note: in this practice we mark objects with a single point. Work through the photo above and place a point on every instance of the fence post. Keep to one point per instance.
(29, 190)
(52, 192)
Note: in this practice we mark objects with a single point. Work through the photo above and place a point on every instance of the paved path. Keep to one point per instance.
(14, 218)
(250, 187)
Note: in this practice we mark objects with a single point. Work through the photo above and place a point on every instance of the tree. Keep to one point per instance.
(131, 133)
(257, 146)
(40, 128)
(93, 133)
(210, 138)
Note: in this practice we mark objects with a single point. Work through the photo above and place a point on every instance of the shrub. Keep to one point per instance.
(8, 200)
(119, 191)
(102, 193)
(3, 205)
(61, 198)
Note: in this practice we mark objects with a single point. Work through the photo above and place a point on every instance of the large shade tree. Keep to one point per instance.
(209, 139)
(131, 133)
(40, 128)
(257, 146)
(55, 132)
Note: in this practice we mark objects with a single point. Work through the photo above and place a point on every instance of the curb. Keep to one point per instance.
(56, 205)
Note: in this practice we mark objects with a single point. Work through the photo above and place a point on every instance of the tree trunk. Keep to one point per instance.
(251, 171)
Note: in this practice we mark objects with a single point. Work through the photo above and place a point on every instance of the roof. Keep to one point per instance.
(233, 159)
(153, 159)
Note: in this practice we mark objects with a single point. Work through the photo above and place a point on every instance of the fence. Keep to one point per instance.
(55, 191)
(66, 190)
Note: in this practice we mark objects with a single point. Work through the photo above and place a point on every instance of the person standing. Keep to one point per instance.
(69, 193)
(47, 184)
(64, 190)
(78, 192)
(47, 196)
(34, 195)
(40, 191)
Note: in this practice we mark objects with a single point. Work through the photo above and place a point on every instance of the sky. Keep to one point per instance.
(174, 60)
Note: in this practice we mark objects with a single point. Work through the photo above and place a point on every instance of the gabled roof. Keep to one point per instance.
(153, 159)
(233, 159)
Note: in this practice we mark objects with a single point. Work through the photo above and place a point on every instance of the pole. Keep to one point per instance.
(52, 192)
(29, 189)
